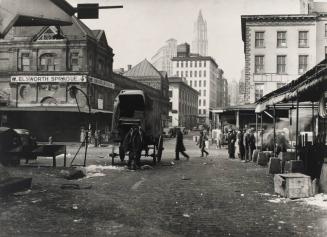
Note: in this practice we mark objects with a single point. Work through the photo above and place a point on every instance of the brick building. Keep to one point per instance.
(39, 65)
(183, 103)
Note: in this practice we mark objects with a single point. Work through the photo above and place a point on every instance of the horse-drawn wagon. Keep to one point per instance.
(137, 127)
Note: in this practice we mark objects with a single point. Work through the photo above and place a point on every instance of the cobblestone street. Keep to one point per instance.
(211, 196)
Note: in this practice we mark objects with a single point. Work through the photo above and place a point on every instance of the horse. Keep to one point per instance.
(134, 143)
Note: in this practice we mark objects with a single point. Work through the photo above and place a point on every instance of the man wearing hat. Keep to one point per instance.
(231, 139)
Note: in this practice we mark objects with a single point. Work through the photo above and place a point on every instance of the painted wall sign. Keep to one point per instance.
(47, 79)
(101, 82)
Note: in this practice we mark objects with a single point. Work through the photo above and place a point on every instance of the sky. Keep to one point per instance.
(141, 27)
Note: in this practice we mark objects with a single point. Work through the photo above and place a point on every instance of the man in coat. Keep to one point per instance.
(180, 148)
(231, 139)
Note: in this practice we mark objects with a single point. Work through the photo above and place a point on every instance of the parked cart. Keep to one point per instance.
(136, 127)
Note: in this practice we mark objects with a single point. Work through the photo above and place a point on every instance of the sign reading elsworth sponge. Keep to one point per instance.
(48, 79)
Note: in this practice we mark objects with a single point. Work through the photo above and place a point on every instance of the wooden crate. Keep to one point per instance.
(293, 185)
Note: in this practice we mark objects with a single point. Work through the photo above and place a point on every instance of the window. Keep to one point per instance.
(186, 64)
(199, 102)
(182, 64)
(200, 73)
(195, 64)
(177, 64)
(281, 39)
(100, 66)
(191, 82)
(170, 105)
(325, 51)
(191, 73)
(205, 63)
(303, 39)
(204, 103)
(259, 64)
(195, 73)
(204, 73)
(200, 83)
(177, 73)
(186, 73)
(204, 93)
(259, 39)
(182, 73)
(199, 111)
(258, 90)
(25, 62)
(325, 30)
(170, 93)
(204, 83)
(303, 63)
(204, 111)
(281, 64)
(195, 83)
(191, 64)
(200, 64)
(74, 61)
(48, 62)
(200, 92)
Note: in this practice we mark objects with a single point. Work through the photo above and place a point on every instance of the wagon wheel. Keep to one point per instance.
(154, 155)
(121, 153)
(112, 155)
(160, 148)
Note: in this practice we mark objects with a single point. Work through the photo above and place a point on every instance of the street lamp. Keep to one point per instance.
(73, 92)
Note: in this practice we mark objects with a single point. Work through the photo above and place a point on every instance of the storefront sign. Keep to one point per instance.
(48, 79)
(102, 82)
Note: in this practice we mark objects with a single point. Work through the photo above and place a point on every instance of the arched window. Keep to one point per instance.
(48, 62)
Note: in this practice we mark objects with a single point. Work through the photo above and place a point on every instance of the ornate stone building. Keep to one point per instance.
(38, 68)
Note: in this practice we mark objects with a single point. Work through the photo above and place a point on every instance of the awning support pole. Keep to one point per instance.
(256, 129)
(313, 123)
(274, 131)
(261, 133)
(297, 129)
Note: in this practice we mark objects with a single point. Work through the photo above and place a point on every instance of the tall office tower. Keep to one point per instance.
(162, 59)
(200, 41)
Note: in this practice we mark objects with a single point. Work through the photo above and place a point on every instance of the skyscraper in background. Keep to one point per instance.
(200, 41)
(162, 59)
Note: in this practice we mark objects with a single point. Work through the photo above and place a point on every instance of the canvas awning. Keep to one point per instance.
(308, 87)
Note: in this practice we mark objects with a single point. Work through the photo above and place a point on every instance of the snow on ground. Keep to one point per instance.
(97, 170)
(319, 200)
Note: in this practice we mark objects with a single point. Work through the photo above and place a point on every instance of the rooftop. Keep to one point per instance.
(195, 58)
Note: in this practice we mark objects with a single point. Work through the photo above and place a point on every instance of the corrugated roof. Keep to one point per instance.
(143, 70)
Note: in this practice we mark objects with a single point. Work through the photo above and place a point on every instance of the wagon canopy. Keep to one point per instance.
(130, 102)
(308, 87)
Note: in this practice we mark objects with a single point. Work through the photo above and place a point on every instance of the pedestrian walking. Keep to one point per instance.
(231, 139)
(246, 141)
(180, 148)
(219, 138)
(202, 143)
(240, 143)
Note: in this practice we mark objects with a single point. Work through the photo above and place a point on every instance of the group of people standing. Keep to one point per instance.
(243, 141)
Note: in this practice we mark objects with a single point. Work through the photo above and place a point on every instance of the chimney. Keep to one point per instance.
(129, 67)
